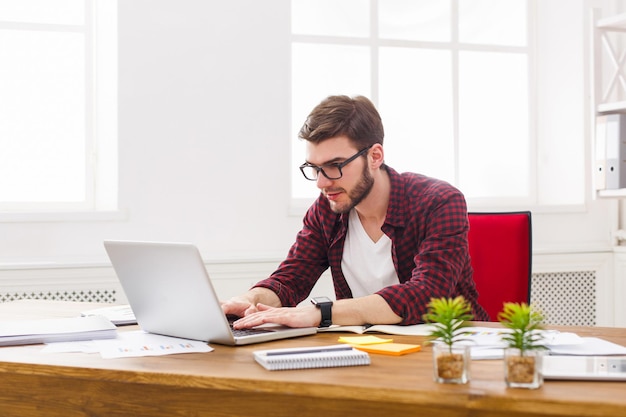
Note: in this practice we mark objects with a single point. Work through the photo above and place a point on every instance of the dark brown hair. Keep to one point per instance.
(356, 118)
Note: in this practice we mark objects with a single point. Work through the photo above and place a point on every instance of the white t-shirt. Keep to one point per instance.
(366, 265)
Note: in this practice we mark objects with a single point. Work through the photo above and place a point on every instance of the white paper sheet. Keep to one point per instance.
(132, 344)
(140, 343)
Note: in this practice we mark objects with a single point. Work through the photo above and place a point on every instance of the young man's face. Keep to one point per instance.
(356, 181)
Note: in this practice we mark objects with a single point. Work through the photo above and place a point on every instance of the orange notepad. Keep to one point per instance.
(395, 349)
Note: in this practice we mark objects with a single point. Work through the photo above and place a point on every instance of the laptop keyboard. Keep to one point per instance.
(248, 332)
(244, 332)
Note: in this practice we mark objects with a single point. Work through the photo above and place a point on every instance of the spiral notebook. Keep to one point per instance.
(311, 357)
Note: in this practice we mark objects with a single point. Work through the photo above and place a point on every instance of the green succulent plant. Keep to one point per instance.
(448, 315)
(524, 320)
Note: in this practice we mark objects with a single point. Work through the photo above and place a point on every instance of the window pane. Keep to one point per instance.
(330, 17)
(317, 72)
(67, 12)
(444, 108)
(493, 22)
(493, 124)
(42, 141)
(416, 107)
(417, 20)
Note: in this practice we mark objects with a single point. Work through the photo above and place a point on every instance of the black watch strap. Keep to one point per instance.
(326, 308)
(327, 314)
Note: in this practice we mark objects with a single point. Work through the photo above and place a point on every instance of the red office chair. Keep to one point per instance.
(500, 245)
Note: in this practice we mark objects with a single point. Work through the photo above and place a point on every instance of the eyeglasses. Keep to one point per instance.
(331, 171)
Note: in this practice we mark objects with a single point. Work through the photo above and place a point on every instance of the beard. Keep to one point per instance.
(358, 193)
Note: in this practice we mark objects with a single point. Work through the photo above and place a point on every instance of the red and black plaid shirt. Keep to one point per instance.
(427, 224)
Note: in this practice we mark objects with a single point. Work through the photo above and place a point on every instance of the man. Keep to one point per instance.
(392, 241)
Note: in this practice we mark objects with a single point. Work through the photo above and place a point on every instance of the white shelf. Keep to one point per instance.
(611, 101)
(615, 107)
(621, 192)
(617, 23)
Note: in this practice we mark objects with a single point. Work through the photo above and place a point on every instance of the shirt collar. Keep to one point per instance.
(396, 212)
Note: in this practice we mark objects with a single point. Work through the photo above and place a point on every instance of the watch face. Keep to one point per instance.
(319, 300)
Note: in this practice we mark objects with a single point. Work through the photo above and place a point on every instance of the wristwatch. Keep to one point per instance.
(325, 305)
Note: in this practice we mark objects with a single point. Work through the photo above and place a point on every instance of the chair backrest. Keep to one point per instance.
(500, 245)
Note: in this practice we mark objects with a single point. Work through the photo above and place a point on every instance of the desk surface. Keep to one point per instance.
(228, 382)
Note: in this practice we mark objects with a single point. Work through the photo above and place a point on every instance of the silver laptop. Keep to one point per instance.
(170, 292)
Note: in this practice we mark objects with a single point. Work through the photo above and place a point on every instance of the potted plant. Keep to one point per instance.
(450, 359)
(524, 354)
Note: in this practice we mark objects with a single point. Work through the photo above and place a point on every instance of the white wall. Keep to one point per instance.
(203, 136)
(204, 132)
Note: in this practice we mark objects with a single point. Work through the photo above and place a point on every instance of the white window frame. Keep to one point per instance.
(299, 205)
(100, 140)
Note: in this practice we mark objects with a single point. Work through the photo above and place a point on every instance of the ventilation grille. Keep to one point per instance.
(566, 298)
(93, 296)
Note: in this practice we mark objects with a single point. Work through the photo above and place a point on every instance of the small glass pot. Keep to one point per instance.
(523, 371)
(451, 363)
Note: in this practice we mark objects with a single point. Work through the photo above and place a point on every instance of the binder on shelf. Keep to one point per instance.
(311, 357)
(615, 151)
(600, 153)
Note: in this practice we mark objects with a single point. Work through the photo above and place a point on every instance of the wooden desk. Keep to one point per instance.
(227, 382)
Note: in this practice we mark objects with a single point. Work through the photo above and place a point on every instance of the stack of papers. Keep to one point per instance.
(120, 315)
(25, 332)
(93, 334)
(588, 346)
(487, 343)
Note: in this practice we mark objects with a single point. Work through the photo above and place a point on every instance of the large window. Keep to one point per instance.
(451, 80)
(58, 105)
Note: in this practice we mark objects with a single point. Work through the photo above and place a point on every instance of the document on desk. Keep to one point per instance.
(25, 332)
(140, 343)
(120, 315)
(487, 344)
(411, 330)
(590, 346)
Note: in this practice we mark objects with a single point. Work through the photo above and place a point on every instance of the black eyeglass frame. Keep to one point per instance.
(338, 165)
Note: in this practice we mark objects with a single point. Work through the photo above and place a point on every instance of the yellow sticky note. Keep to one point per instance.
(394, 349)
(363, 340)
